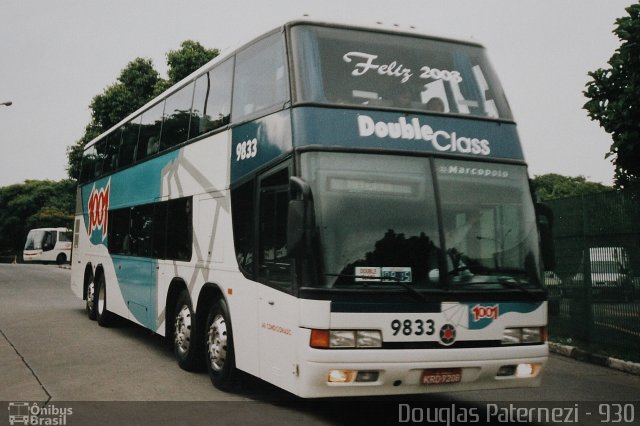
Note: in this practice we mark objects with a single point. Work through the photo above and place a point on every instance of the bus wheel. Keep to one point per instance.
(104, 317)
(61, 259)
(220, 354)
(91, 303)
(186, 344)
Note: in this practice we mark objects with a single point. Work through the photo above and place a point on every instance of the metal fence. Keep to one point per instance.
(595, 287)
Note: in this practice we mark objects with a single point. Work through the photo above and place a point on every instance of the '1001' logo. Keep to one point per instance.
(98, 207)
(481, 312)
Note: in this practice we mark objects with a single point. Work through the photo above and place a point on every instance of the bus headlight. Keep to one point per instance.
(524, 335)
(368, 339)
(329, 339)
(342, 339)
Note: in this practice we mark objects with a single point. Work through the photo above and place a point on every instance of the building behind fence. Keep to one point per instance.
(595, 288)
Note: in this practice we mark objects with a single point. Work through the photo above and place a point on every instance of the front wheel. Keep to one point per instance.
(220, 356)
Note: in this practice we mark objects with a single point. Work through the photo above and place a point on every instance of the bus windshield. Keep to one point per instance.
(377, 222)
(382, 70)
(34, 239)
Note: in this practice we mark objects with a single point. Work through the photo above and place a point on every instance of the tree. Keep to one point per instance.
(191, 56)
(614, 101)
(50, 217)
(552, 186)
(74, 152)
(136, 85)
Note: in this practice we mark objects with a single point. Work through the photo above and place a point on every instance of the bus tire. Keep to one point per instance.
(187, 345)
(91, 302)
(61, 259)
(218, 338)
(103, 316)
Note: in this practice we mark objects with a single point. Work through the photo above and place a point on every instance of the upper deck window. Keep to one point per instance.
(261, 80)
(375, 69)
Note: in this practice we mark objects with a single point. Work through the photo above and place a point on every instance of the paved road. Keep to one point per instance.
(51, 353)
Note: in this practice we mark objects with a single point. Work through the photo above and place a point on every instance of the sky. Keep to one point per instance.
(56, 55)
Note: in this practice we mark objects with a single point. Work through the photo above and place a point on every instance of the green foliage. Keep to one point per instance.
(74, 152)
(552, 186)
(614, 101)
(33, 204)
(134, 88)
(136, 85)
(50, 217)
(191, 56)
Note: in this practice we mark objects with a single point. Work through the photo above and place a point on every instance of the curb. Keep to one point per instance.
(605, 361)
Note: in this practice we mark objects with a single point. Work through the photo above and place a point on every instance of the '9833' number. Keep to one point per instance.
(247, 149)
(413, 327)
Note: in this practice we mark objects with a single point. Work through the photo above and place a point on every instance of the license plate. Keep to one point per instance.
(441, 376)
(401, 275)
(384, 274)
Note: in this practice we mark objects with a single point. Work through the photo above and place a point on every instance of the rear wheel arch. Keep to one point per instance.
(98, 273)
(209, 294)
(61, 259)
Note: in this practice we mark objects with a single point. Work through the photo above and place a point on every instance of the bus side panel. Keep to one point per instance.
(136, 278)
(213, 261)
(198, 168)
(278, 325)
(241, 297)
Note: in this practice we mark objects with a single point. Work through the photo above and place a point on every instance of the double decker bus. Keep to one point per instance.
(336, 210)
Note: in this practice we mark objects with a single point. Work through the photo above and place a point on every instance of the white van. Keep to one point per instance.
(48, 245)
(610, 273)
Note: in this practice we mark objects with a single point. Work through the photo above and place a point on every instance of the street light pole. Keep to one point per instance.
(7, 103)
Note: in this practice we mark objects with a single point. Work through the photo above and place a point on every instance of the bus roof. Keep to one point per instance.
(229, 52)
(60, 228)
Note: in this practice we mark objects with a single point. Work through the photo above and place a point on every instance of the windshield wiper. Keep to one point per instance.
(394, 280)
(502, 282)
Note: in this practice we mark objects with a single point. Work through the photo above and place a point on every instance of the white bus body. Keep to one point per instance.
(48, 245)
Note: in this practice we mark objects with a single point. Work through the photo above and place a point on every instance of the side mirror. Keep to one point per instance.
(544, 216)
(299, 216)
(296, 226)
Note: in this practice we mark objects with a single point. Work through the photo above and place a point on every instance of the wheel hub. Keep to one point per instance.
(217, 343)
(182, 336)
(90, 296)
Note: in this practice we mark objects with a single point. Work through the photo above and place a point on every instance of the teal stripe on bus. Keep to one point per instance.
(396, 131)
(136, 185)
